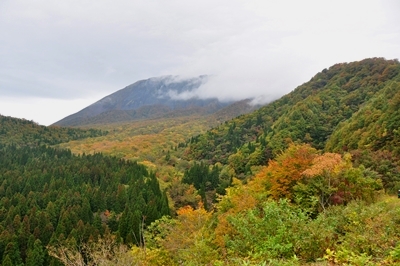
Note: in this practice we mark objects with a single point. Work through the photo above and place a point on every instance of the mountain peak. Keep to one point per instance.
(144, 99)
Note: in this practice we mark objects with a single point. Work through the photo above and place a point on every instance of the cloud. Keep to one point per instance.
(80, 50)
(279, 46)
(185, 95)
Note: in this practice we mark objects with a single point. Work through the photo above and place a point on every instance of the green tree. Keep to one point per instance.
(12, 252)
(36, 255)
(7, 261)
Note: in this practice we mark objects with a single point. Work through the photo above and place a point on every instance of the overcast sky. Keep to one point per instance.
(57, 57)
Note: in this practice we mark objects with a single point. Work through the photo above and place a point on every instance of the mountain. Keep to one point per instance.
(348, 106)
(145, 99)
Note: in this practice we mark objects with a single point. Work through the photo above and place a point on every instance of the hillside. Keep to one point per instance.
(311, 113)
(148, 99)
(375, 126)
(22, 132)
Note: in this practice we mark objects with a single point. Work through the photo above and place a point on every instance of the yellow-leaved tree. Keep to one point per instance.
(238, 198)
(184, 239)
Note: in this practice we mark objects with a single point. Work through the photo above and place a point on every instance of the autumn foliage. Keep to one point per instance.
(286, 170)
(327, 162)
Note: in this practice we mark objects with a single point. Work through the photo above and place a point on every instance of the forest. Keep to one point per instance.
(51, 196)
(308, 179)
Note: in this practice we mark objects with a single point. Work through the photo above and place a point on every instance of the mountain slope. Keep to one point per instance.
(145, 99)
(308, 114)
(375, 126)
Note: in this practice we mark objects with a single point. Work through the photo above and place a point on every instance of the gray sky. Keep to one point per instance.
(57, 57)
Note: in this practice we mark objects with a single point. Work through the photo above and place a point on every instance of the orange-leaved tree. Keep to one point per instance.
(281, 174)
(315, 190)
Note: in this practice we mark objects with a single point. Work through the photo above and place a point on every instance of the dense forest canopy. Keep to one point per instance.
(50, 196)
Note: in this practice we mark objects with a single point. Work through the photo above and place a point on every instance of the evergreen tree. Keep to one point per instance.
(12, 252)
(36, 255)
(7, 261)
